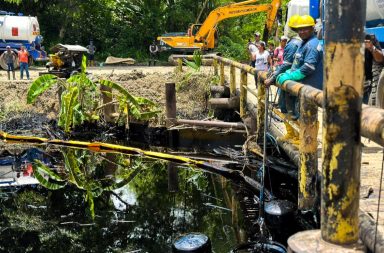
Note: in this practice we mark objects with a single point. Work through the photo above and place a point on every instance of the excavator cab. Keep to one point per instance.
(193, 29)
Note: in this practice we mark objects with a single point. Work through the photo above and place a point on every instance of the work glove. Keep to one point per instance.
(290, 75)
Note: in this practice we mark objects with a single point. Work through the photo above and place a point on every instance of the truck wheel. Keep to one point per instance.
(376, 78)
(3, 64)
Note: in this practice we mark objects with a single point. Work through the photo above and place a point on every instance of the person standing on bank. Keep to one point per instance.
(23, 62)
(91, 53)
(154, 52)
(10, 58)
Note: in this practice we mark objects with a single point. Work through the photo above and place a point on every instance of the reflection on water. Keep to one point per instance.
(91, 212)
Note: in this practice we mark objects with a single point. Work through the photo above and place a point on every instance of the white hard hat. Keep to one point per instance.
(8, 47)
(284, 38)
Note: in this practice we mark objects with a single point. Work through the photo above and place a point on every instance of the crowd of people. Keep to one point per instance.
(299, 57)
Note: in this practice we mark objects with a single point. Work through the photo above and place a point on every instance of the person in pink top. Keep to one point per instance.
(23, 61)
(279, 52)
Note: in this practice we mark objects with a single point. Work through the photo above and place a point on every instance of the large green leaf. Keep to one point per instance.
(91, 203)
(51, 185)
(40, 85)
(42, 167)
(131, 176)
(82, 80)
(149, 115)
(145, 101)
(84, 64)
(191, 64)
(72, 166)
(68, 103)
(122, 90)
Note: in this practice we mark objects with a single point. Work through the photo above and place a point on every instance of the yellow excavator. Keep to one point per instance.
(202, 36)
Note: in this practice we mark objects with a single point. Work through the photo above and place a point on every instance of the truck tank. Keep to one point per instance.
(375, 13)
(19, 29)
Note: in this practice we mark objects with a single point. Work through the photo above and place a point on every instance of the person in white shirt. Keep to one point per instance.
(262, 58)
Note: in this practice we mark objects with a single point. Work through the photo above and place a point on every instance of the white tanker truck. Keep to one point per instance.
(17, 31)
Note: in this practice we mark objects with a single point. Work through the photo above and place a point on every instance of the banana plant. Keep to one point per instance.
(197, 62)
(139, 108)
(80, 172)
(80, 98)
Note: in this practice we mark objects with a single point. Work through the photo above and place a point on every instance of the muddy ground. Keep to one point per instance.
(147, 82)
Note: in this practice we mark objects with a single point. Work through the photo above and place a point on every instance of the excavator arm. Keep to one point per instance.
(236, 10)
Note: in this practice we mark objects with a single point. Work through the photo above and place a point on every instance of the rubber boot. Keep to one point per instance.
(9, 75)
(14, 77)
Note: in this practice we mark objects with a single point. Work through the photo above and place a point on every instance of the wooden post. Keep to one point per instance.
(109, 108)
(170, 103)
(173, 177)
(309, 128)
(179, 65)
(215, 67)
(243, 93)
(222, 75)
(260, 111)
(343, 90)
(232, 85)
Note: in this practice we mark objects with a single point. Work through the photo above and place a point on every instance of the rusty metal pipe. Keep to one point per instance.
(343, 89)
(308, 169)
(219, 124)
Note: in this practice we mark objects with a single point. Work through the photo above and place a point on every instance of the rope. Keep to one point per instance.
(378, 207)
(261, 200)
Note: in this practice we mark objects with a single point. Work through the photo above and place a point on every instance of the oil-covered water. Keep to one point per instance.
(110, 203)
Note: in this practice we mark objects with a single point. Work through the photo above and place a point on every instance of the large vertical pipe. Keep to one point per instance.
(344, 74)
(243, 93)
(170, 104)
(222, 74)
(309, 128)
(232, 84)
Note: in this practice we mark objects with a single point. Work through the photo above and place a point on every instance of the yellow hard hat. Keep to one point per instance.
(293, 21)
(305, 21)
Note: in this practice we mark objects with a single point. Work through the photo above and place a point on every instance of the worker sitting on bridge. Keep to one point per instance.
(288, 57)
(307, 66)
(10, 58)
(23, 62)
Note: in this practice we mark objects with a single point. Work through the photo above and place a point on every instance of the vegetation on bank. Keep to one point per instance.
(126, 28)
